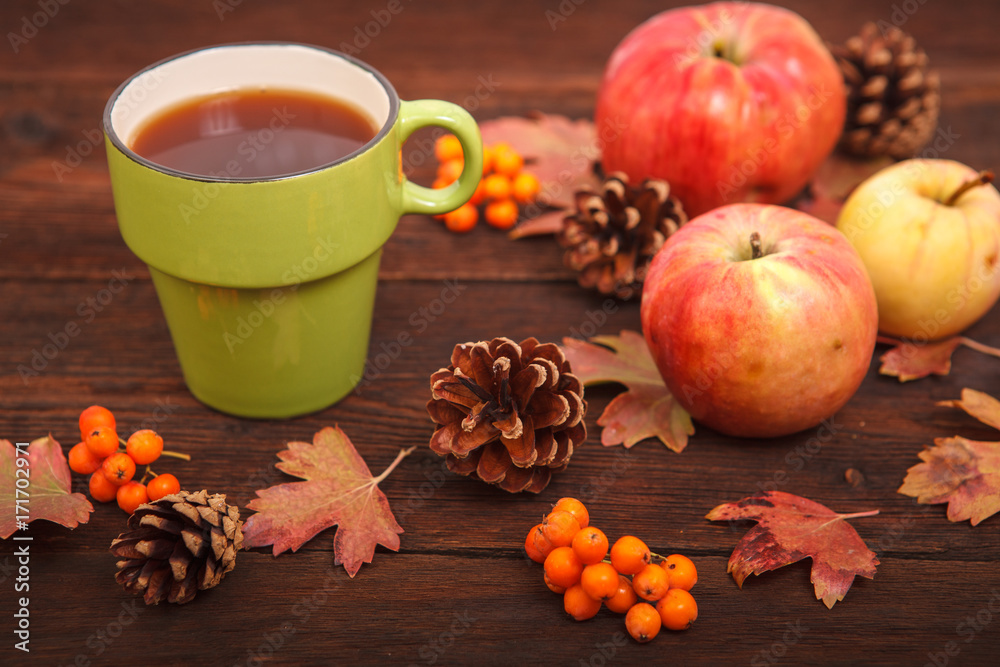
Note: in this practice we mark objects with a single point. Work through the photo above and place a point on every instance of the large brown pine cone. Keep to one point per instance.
(893, 98)
(612, 235)
(506, 413)
(178, 545)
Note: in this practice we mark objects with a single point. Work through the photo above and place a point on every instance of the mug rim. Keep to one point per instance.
(120, 145)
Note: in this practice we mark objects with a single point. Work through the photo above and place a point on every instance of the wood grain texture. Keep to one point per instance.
(460, 590)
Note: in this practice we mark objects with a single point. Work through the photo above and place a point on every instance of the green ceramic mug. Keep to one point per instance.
(268, 285)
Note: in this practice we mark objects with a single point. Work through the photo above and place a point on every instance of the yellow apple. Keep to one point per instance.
(928, 231)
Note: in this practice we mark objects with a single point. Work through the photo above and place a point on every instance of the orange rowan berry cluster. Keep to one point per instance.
(111, 462)
(627, 578)
(500, 191)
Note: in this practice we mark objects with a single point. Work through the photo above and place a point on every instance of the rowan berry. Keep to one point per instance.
(131, 495)
(502, 214)
(506, 160)
(93, 417)
(560, 527)
(479, 196)
(643, 622)
(677, 609)
(487, 159)
(119, 468)
(462, 219)
(552, 587)
(82, 460)
(629, 555)
(525, 187)
(534, 549)
(574, 507)
(496, 186)
(144, 446)
(578, 604)
(591, 545)
(651, 583)
(102, 441)
(563, 567)
(448, 147)
(162, 485)
(600, 581)
(680, 571)
(624, 597)
(101, 489)
(450, 171)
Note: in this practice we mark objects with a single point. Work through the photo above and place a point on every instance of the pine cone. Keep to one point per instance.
(893, 99)
(178, 545)
(613, 235)
(507, 414)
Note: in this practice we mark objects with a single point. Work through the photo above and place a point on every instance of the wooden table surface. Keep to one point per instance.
(460, 589)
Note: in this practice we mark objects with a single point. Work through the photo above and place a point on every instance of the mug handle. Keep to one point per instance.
(415, 114)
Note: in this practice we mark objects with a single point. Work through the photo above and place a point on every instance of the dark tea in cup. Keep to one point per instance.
(254, 133)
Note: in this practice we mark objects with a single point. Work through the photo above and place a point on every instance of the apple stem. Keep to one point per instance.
(984, 177)
(755, 251)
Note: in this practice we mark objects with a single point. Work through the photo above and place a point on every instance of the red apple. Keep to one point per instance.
(728, 102)
(765, 337)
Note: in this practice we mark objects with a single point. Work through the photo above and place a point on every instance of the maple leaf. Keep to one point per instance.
(339, 490)
(560, 152)
(913, 361)
(790, 528)
(47, 491)
(834, 181)
(647, 409)
(963, 473)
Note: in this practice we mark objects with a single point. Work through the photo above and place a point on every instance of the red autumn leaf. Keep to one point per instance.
(834, 181)
(560, 152)
(339, 490)
(647, 409)
(45, 493)
(913, 361)
(790, 528)
(963, 473)
(549, 222)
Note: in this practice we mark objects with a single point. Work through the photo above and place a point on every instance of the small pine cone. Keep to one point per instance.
(893, 99)
(612, 236)
(178, 545)
(507, 414)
